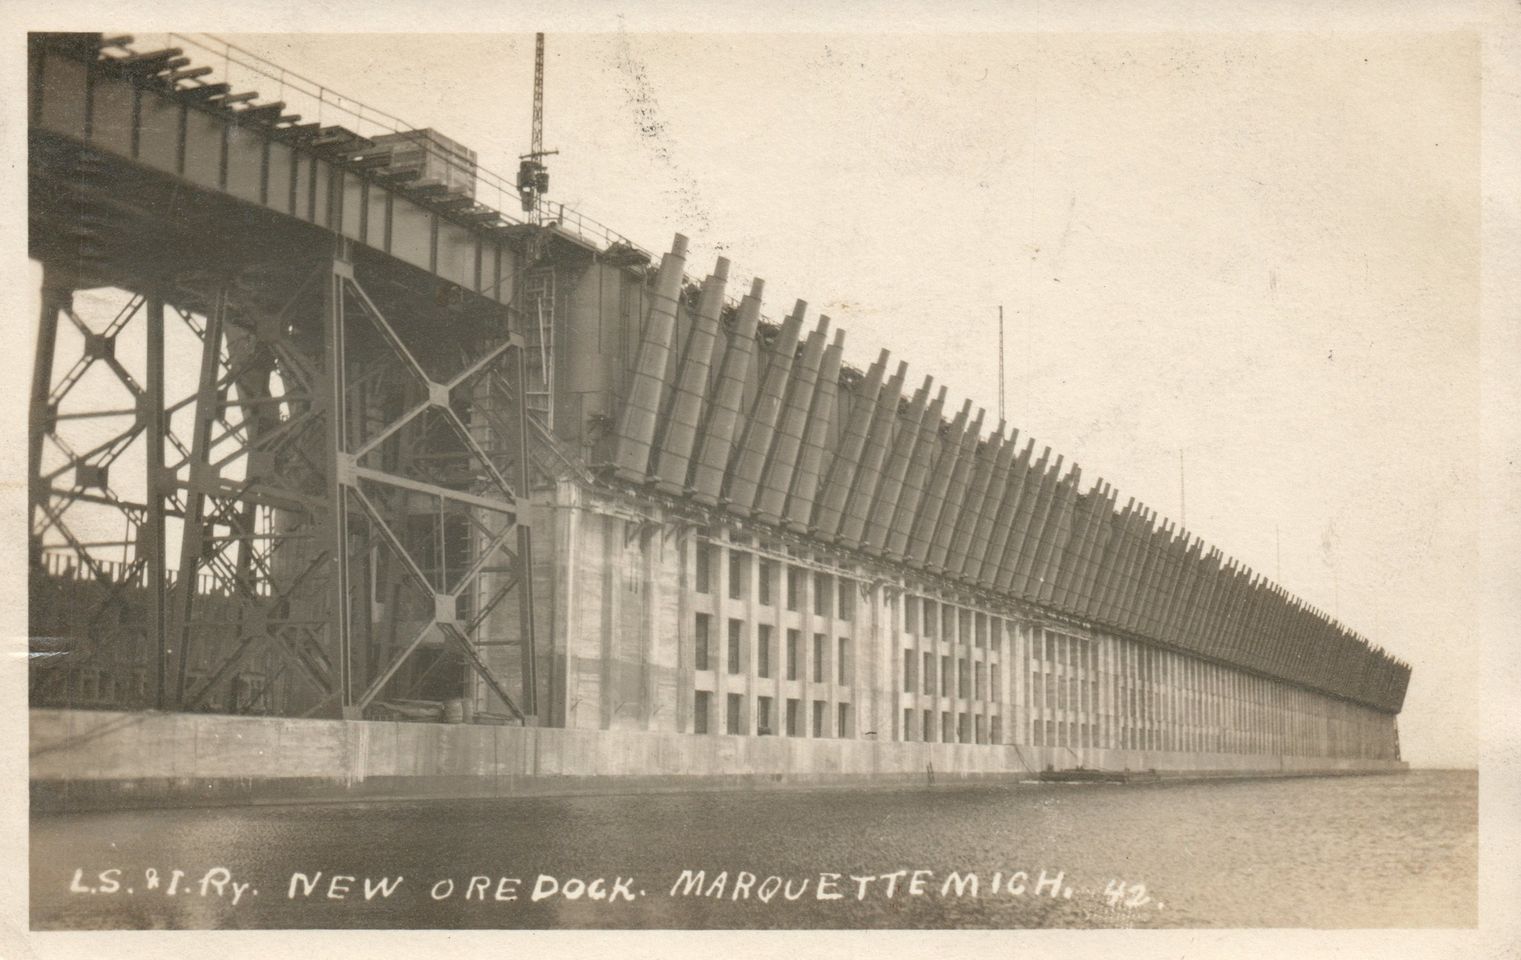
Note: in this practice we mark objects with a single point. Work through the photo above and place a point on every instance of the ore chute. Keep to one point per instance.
(964, 538)
(926, 451)
(787, 439)
(954, 498)
(636, 427)
(806, 478)
(869, 475)
(680, 424)
(834, 488)
(722, 426)
(1003, 523)
(760, 427)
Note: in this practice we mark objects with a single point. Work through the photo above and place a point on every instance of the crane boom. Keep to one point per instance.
(536, 143)
(533, 176)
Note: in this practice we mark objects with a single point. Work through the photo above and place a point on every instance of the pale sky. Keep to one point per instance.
(1261, 250)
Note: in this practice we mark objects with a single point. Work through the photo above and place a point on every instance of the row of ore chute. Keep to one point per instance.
(867, 468)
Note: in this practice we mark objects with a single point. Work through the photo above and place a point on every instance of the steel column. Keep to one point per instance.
(201, 480)
(526, 626)
(155, 572)
(56, 298)
(340, 614)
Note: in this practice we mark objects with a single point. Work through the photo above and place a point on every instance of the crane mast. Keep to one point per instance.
(533, 175)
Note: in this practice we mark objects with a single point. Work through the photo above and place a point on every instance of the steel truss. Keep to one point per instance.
(345, 483)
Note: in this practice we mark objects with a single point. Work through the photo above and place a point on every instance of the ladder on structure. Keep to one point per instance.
(538, 330)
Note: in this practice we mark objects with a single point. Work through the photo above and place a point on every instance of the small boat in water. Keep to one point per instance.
(1085, 775)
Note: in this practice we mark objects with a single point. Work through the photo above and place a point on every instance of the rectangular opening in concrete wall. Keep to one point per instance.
(908, 723)
(963, 733)
(981, 735)
(763, 573)
(737, 567)
(995, 730)
(794, 587)
(927, 729)
(702, 641)
(736, 645)
(947, 727)
(702, 711)
(820, 656)
(929, 673)
(843, 728)
(793, 708)
(844, 657)
(734, 714)
(823, 594)
(794, 638)
(929, 618)
(763, 716)
(763, 650)
(847, 598)
(702, 568)
(908, 671)
(945, 675)
(820, 714)
(911, 615)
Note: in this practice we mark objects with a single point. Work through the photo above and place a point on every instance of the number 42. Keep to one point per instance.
(1118, 893)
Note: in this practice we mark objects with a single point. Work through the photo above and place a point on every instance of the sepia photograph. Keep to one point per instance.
(629, 477)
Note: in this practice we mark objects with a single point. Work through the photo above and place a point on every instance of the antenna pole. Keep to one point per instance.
(1182, 491)
(1000, 361)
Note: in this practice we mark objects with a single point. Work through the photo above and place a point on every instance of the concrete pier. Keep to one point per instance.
(85, 760)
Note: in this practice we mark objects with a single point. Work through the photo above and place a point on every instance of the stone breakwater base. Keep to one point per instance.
(84, 760)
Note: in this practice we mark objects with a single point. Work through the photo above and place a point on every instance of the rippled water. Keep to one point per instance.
(1322, 852)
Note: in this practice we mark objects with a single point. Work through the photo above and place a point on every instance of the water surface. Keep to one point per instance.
(1377, 851)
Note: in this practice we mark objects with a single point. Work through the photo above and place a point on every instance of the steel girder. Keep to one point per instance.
(326, 463)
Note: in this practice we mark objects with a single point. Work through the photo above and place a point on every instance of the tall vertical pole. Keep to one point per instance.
(152, 543)
(1182, 492)
(1000, 362)
(338, 478)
